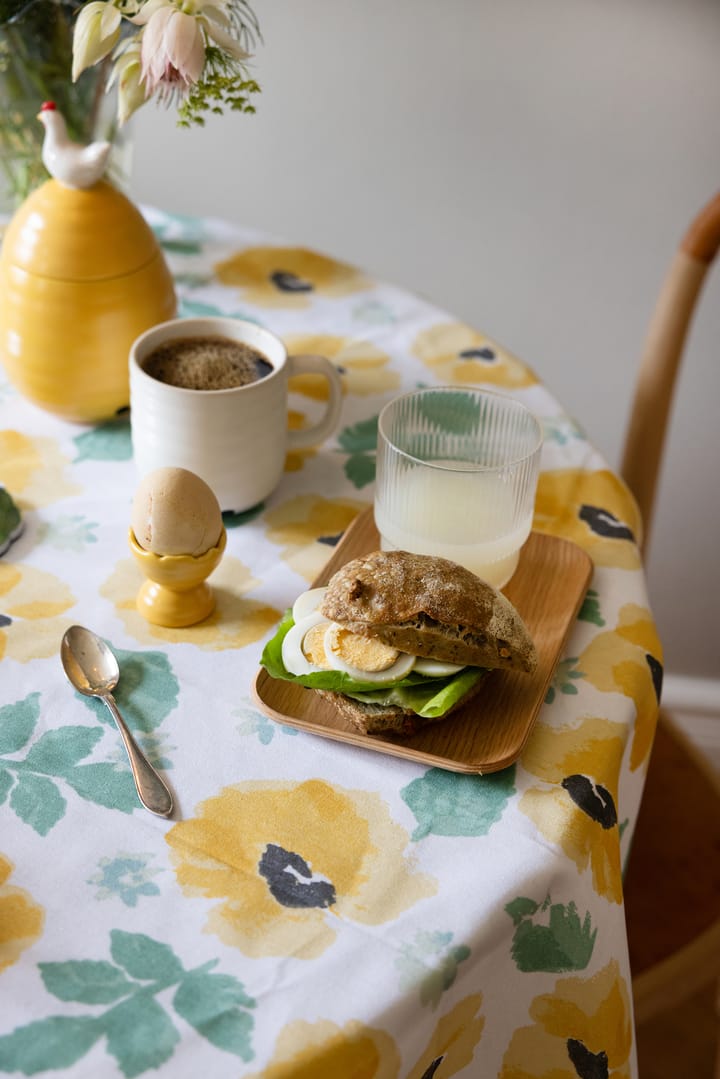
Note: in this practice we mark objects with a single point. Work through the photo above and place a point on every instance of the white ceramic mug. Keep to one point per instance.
(235, 439)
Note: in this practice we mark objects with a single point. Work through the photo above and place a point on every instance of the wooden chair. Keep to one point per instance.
(672, 883)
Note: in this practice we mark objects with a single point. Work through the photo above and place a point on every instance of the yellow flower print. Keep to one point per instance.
(307, 528)
(365, 368)
(235, 622)
(32, 469)
(628, 660)
(459, 354)
(35, 626)
(21, 919)
(284, 875)
(581, 1029)
(295, 459)
(323, 1050)
(287, 276)
(595, 510)
(454, 1040)
(579, 811)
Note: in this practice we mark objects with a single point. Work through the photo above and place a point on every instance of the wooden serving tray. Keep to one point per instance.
(490, 731)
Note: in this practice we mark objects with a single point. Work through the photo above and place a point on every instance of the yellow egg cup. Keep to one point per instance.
(176, 592)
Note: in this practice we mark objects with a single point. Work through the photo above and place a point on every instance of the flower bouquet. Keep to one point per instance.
(100, 61)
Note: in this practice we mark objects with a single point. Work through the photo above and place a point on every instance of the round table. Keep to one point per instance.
(312, 908)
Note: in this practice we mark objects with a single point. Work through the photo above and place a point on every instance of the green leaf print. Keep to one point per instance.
(590, 610)
(549, 936)
(360, 441)
(360, 469)
(361, 437)
(145, 958)
(140, 1035)
(38, 802)
(48, 1044)
(235, 520)
(430, 964)
(453, 412)
(6, 782)
(139, 1032)
(107, 442)
(147, 692)
(56, 752)
(17, 722)
(68, 533)
(87, 981)
(213, 1003)
(520, 908)
(32, 783)
(446, 803)
(566, 673)
(181, 247)
(105, 785)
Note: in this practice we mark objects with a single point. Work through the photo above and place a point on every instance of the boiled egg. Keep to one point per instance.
(174, 512)
(315, 644)
(307, 603)
(294, 657)
(364, 658)
(435, 668)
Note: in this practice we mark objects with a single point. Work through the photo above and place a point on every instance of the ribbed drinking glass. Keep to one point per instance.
(457, 473)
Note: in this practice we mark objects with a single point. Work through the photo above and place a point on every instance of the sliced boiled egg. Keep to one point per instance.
(294, 655)
(364, 658)
(435, 668)
(307, 603)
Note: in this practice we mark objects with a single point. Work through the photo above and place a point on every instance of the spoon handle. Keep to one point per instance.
(153, 793)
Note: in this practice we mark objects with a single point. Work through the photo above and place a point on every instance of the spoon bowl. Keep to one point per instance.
(92, 669)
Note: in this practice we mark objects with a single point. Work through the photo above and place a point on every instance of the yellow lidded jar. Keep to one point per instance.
(81, 276)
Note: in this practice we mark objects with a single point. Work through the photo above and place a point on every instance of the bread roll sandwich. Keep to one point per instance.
(398, 640)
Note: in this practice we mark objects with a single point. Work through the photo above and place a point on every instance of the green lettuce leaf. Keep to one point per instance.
(429, 697)
(433, 699)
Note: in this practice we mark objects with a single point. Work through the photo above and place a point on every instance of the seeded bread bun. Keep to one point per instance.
(430, 607)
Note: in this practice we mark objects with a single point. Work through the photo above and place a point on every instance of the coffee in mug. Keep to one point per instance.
(234, 435)
(207, 363)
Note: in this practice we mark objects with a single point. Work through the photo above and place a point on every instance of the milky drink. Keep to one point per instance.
(455, 511)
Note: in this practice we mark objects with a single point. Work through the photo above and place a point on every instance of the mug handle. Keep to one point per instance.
(316, 365)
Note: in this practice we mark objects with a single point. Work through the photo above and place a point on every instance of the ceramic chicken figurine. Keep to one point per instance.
(70, 163)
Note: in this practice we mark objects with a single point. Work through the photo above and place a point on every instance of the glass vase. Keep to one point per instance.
(36, 66)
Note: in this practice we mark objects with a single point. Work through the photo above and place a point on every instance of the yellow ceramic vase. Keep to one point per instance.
(81, 276)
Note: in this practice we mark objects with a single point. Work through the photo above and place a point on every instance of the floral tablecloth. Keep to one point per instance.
(312, 909)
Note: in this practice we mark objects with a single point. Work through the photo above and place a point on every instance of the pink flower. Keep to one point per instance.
(173, 51)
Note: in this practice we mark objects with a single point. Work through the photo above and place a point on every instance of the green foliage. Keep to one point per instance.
(566, 674)
(360, 441)
(109, 441)
(34, 784)
(223, 86)
(138, 1031)
(360, 437)
(446, 803)
(430, 964)
(590, 610)
(549, 936)
(35, 66)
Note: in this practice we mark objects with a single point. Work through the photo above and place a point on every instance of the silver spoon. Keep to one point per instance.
(93, 670)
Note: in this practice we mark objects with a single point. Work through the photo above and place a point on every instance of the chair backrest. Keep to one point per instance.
(660, 361)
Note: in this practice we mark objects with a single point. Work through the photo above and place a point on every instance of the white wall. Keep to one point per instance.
(529, 165)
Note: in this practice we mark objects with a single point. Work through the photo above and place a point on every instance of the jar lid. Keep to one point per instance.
(73, 234)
